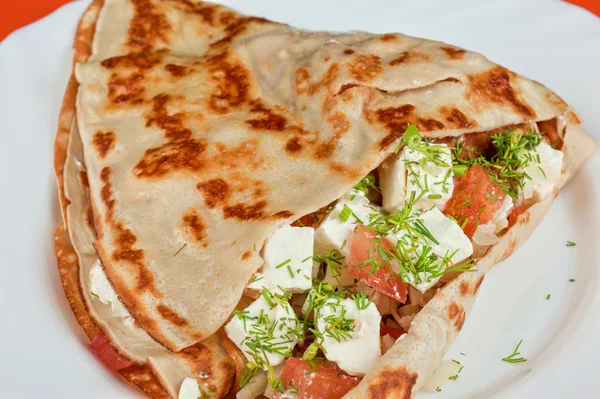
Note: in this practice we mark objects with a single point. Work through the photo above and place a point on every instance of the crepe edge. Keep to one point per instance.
(67, 260)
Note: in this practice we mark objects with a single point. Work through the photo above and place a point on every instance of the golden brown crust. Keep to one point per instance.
(68, 267)
(82, 47)
(393, 383)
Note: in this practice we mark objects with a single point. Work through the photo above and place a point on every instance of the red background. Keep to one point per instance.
(17, 13)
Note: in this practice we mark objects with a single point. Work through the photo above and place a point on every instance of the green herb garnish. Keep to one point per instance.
(180, 249)
(361, 300)
(513, 357)
(366, 183)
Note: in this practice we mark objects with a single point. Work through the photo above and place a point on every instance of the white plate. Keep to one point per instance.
(43, 351)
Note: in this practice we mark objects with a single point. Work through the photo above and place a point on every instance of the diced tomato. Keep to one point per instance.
(395, 333)
(306, 220)
(324, 383)
(313, 219)
(475, 200)
(383, 280)
(514, 214)
(103, 349)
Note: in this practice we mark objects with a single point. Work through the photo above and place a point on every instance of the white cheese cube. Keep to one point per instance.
(189, 389)
(450, 240)
(335, 233)
(409, 171)
(357, 354)
(100, 287)
(485, 234)
(544, 174)
(260, 316)
(288, 260)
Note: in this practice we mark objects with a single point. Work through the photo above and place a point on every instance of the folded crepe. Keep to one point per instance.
(196, 132)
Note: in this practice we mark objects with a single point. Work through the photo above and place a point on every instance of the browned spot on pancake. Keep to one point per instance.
(389, 37)
(397, 119)
(127, 89)
(84, 179)
(125, 251)
(145, 60)
(394, 383)
(303, 84)
(340, 124)
(192, 223)
(365, 68)
(346, 87)
(231, 83)
(171, 316)
(205, 11)
(200, 357)
(328, 104)
(460, 321)
(104, 142)
(463, 288)
(89, 217)
(171, 125)
(454, 53)
(245, 212)
(142, 377)
(293, 145)
(574, 118)
(235, 26)
(494, 86)
(176, 70)
(330, 76)
(457, 119)
(171, 157)
(246, 255)
(283, 214)
(348, 51)
(512, 245)
(215, 192)
(409, 56)
(106, 192)
(555, 100)
(148, 27)
(209, 361)
(267, 120)
(244, 155)
(453, 310)
(478, 283)
(326, 150)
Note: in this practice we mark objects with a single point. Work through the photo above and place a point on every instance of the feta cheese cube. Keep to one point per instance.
(254, 327)
(357, 354)
(544, 174)
(450, 240)
(189, 389)
(288, 260)
(409, 171)
(335, 233)
(100, 287)
(485, 234)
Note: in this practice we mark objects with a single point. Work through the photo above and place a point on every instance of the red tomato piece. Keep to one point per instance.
(313, 219)
(512, 217)
(475, 200)
(395, 333)
(383, 280)
(324, 383)
(103, 349)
